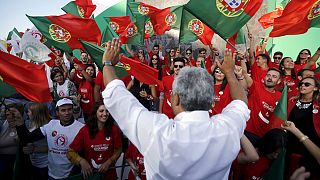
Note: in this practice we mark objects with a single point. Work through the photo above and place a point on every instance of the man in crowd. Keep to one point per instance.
(165, 105)
(193, 145)
(59, 134)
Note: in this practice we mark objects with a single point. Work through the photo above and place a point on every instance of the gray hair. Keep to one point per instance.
(195, 89)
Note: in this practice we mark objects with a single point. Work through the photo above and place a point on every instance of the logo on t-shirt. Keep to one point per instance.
(54, 133)
(61, 141)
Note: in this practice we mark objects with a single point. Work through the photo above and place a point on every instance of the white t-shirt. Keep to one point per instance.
(62, 90)
(59, 138)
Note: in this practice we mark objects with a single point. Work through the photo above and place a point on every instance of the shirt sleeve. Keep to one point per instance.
(237, 114)
(78, 143)
(135, 121)
(26, 136)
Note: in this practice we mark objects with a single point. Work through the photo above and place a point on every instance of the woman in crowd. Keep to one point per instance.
(155, 63)
(305, 60)
(140, 56)
(63, 87)
(85, 89)
(268, 148)
(100, 142)
(221, 90)
(8, 142)
(146, 94)
(304, 113)
(288, 74)
(168, 63)
(39, 115)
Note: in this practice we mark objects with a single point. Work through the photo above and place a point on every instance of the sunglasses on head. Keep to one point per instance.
(176, 66)
(306, 84)
(276, 57)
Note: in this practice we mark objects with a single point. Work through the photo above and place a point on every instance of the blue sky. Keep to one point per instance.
(13, 12)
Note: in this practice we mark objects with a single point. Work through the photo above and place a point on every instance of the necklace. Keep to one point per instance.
(303, 105)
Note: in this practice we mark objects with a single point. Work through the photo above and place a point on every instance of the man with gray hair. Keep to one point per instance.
(192, 145)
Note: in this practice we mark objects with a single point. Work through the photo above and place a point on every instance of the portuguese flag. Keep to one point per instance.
(107, 35)
(267, 20)
(280, 112)
(224, 17)
(142, 72)
(128, 31)
(118, 23)
(297, 17)
(166, 19)
(238, 38)
(64, 31)
(192, 29)
(80, 9)
(6, 90)
(28, 79)
(141, 12)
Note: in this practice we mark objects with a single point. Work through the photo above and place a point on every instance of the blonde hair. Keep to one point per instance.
(40, 114)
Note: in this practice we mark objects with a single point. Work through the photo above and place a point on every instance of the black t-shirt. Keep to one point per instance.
(302, 116)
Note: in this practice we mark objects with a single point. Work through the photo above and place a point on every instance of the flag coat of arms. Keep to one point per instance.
(65, 31)
(225, 17)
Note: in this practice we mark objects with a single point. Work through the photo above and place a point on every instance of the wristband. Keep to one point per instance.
(303, 138)
(107, 63)
(240, 78)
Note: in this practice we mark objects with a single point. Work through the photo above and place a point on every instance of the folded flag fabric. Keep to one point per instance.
(28, 79)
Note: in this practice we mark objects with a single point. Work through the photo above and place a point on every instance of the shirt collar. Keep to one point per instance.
(192, 116)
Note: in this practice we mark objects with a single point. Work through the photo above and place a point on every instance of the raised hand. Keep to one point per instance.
(228, 64)
(111, 52)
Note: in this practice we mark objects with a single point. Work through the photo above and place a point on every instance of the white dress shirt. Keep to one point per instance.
(192, 146)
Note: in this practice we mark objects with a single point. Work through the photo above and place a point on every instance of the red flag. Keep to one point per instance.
(232, 41)
(86, 7)
(142, 72)
(28, 79)
(296, 18)
(267, 20)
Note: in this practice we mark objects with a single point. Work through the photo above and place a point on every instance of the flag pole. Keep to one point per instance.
(211, 28)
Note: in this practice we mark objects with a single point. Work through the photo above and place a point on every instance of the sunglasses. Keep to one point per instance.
(276, 57)
(188, 53)
(217, 71)
(154, 58)
(203, 53)
(172, 51)
(306, 84)
(180, 66)
(140, 51)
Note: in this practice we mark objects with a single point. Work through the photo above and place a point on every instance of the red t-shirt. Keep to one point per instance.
(208, 64)
(254, 171)
(86, 91)
(257, 73)
(298, 67)
(167, 84)
(77, 78)
(100, 148)
(137, 158)
(262, 104)
(221, 99)
(273, 65)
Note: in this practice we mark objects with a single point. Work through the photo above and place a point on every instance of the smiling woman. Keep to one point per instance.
(100, 141)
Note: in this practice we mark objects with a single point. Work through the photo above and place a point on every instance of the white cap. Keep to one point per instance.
(64, 101)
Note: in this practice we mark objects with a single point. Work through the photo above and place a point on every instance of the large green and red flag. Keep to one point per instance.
(28, 79)
(297, 17)
(80, 8)
(224, 17)
(267, 20)
(5, 89)
(142, 72)
(192, 29)
(166, 19)
(279, 115)
(141, 12)
(65, 31)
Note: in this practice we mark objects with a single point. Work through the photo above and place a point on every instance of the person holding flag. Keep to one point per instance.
(303, 111)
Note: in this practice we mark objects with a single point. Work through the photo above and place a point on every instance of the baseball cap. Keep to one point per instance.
(64, 101)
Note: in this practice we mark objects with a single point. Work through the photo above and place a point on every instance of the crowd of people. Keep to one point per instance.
(213, 118)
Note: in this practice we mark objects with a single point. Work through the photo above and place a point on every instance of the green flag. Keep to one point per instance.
(224, 17)
(276, 171)
(279, 115)
(14, 34)
(6, 90)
